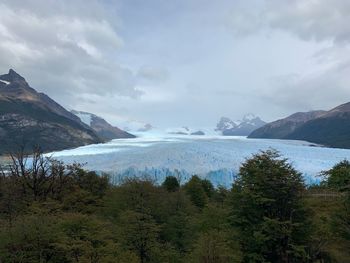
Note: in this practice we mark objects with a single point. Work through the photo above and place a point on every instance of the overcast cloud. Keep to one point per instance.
(181, 62)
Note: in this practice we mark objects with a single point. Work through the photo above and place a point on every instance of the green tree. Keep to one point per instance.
(12, 201)
(139, 233)
(178, 226)
(194, 188)
(171, 184)
(208, 187)
(179, 231)
(268, 211)
(30, 238)
(85, 238)
(339, 176)
(59, 238)
(342, 219)
(213, 247)
(90, 181)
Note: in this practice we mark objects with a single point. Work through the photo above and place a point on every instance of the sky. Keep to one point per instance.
(181, 62)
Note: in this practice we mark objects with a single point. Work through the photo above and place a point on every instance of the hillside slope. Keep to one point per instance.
(29, 118)
(101, 126)
(282, 128)
(330, 128)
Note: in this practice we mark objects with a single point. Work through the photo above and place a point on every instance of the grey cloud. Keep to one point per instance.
(65, 48)
(153, 74)
(177, 58)
(312, 92)
(316, 20)
(320, 21)
(243, 22)
(307, 19)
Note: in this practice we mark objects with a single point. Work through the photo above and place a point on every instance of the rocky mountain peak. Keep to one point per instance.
(225, 123)
(249, 117)
(11, 76)
(35, 119)
(242, 127)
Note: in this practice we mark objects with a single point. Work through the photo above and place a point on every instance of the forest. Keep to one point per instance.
(55, 212)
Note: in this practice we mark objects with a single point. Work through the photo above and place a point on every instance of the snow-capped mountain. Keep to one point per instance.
(243, 127)
(102, 128)
(131, 125)
(226, 124)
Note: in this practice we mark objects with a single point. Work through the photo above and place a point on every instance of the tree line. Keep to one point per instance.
(53, 212)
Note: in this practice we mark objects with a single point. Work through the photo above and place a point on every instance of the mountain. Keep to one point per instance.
(198, 133)
(330, 128)
(29, 118)
(282, 128)
(131, 125)
(243, 127)
(102, 127)
(226, 124)
(185, 131)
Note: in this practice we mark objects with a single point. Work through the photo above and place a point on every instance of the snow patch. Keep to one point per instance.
(84, 117)
(4, 81)
(249, 117)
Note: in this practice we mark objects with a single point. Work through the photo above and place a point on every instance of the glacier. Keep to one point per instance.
(216, 158)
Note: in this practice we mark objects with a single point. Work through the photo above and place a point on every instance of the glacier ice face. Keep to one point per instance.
(216, 158)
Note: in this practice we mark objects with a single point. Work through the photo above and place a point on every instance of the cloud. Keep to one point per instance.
(176, 63)
(153, 74)
(65, 48)
(311, 92)
(324, 85)
(317, 20)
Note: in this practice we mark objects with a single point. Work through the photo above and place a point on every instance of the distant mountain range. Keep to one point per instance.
(185, 131)
(243, 127)
(330, 128)
(131, 125)
(103, 129)
(29, 118)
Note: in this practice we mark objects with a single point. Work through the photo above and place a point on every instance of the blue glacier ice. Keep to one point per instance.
(216, 158)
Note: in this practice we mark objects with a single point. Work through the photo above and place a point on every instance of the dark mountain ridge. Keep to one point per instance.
(280, 129)
(330, 128)
(29, 118)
